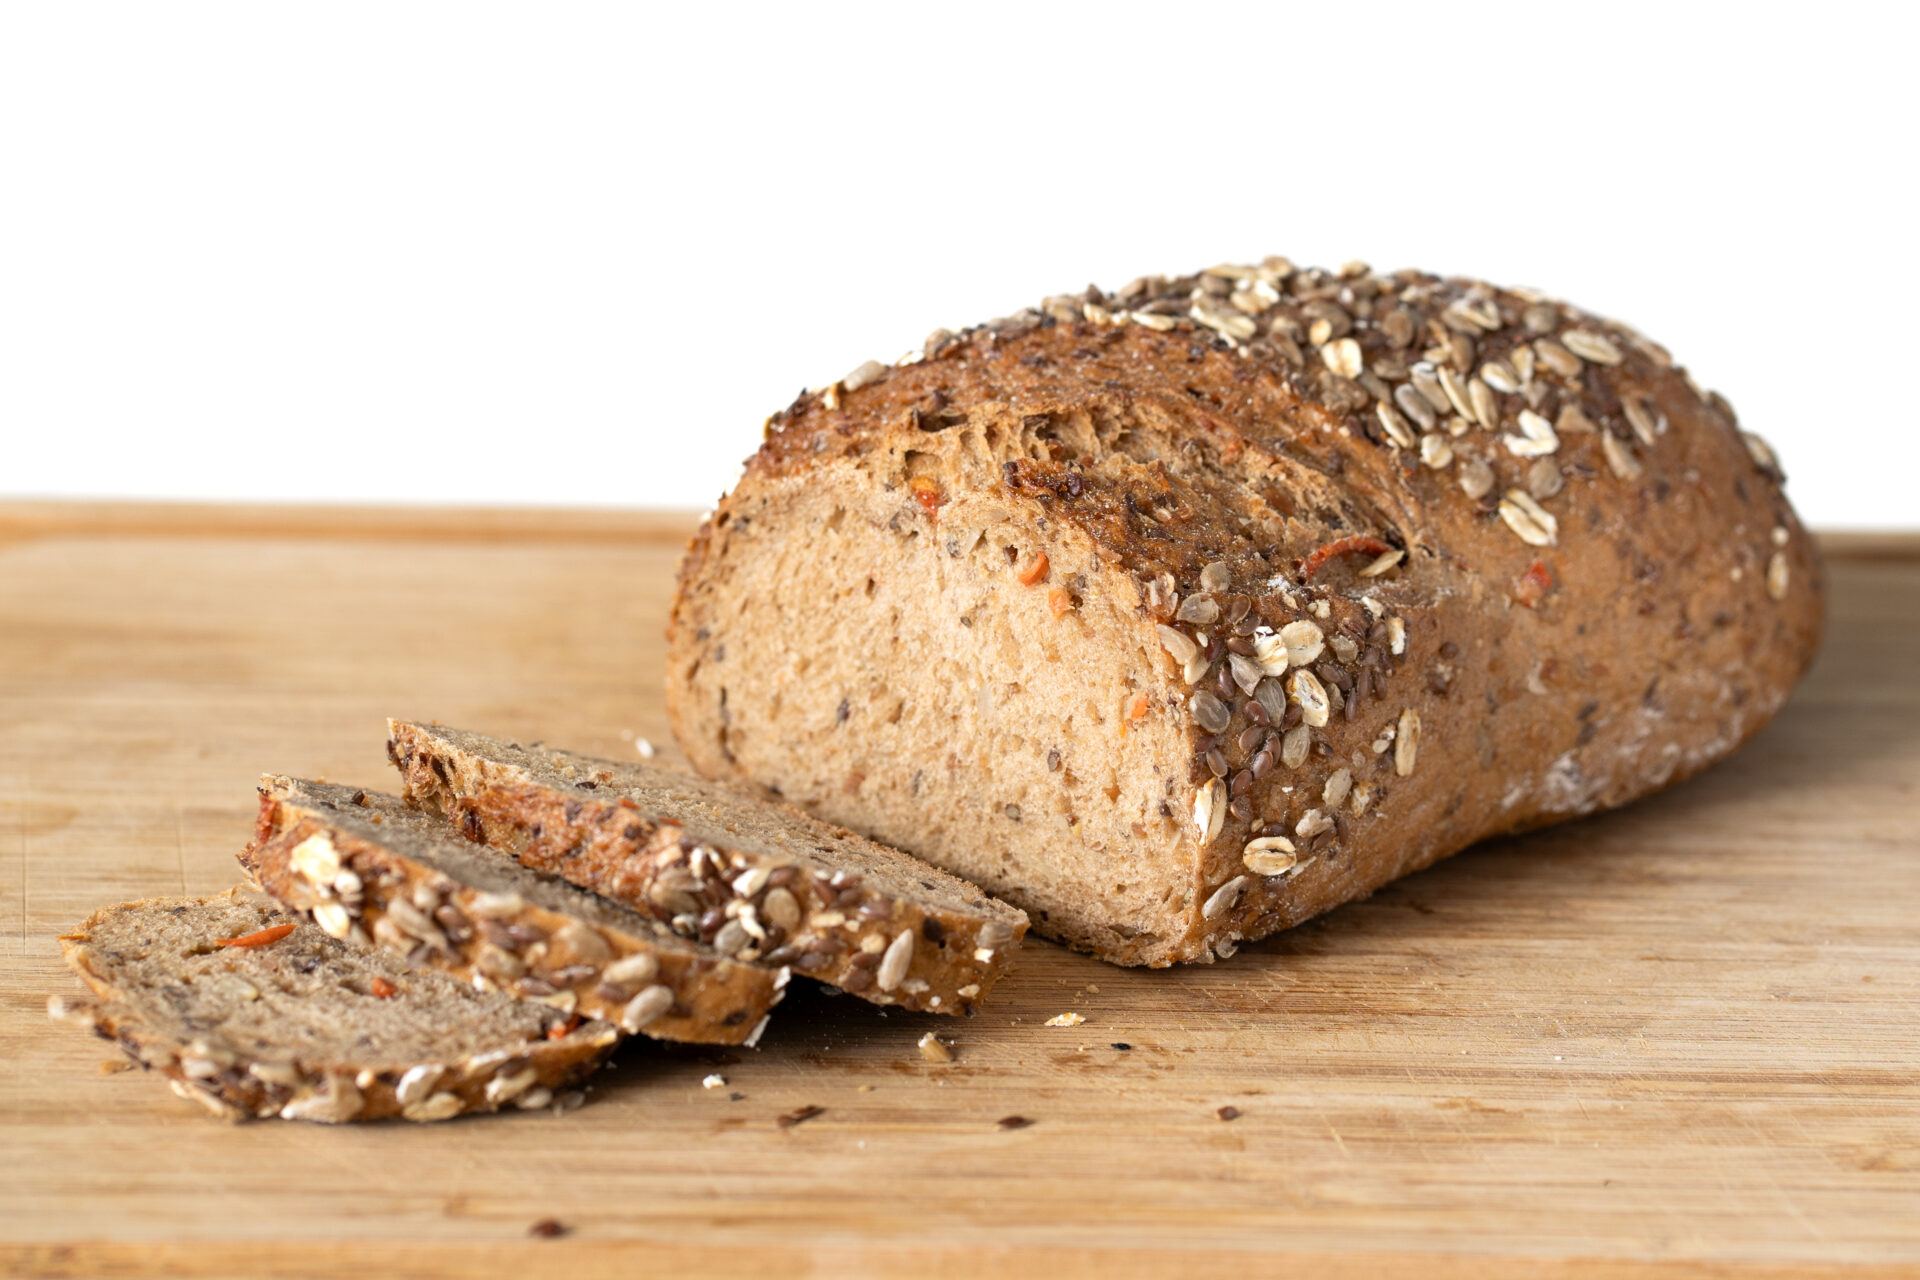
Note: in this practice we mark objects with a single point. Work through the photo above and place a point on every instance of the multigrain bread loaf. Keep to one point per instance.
(253, 1012)
(366, 867)
(1179, 615)
(757, 881)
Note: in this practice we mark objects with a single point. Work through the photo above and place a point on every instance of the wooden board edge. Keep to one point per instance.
(582, 1260)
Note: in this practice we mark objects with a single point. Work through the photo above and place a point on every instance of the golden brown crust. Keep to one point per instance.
(1582, 580)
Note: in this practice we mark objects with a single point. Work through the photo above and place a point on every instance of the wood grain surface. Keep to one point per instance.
(1681, 1039)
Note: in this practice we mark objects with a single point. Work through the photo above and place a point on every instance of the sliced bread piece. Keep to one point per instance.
(759, 881)
(365, 865)
(251, 1011)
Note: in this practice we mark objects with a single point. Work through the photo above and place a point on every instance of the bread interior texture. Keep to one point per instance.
(938, 685)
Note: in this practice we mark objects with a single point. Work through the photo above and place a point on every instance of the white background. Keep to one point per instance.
(574, 254)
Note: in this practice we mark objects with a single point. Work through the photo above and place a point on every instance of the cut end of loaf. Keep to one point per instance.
(995, 652)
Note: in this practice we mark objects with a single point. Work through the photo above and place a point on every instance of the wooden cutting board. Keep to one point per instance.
(1682, 1039)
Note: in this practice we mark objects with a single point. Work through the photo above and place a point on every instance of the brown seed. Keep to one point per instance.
(1228, 1113)
(547, 1229)
(1013, 1122)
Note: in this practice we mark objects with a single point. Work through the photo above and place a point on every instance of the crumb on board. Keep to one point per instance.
(799, 1115)
(1066, 1019)
(933, 1049)
(714, 1081)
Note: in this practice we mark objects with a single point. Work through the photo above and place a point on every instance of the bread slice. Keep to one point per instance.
(364, 865)
(1181, 614)
(251, 1011)
(760, 881)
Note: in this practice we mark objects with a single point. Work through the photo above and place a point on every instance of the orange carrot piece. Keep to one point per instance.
(1034, 572)
(273, 933)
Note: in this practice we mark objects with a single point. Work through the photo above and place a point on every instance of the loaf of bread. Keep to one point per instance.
(367, 868)
(253, 1012)
(756, 881)
(1181, 614)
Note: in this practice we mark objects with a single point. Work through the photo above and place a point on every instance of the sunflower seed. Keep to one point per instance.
(1223, 898)
(333, 918)
(1406, 742)
(1272, 697)
(1339, 783)
(1533, 523)
(893, 965)
(1589, 345)
(1295, 745)
(1426, 380)
(1396, 636)
(1557, 357)
(1383, 563)
(1415, 405)
(1456, 392)
(1435, 451)
(634, 970)
(646, 1007)
(1209, 712)
(1246, 672)
(438, 1106)
(1394, 425)
(1485, 409)
(1158, 323)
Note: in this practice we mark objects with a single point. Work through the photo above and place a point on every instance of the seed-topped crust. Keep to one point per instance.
(251, 1012)
(1536, 551)
(366, 867)
(760, 882)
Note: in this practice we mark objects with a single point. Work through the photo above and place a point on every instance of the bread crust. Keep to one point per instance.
(236, 1083)
(1548, 573)
(637, 975)
(800, 901)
